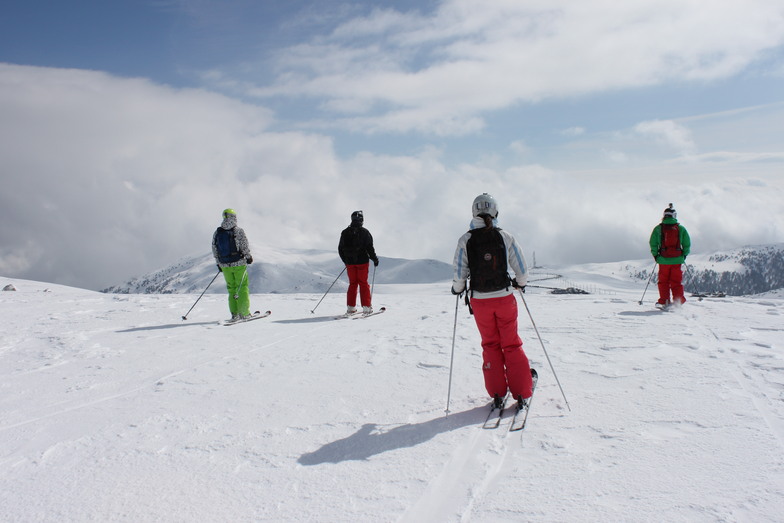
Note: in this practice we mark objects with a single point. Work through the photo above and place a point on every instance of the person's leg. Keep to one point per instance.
(664, 284)
(676, 284)
(492, 355)
(243, 292)
(364, 286)
(518, 369)
(229, 274)
(353, 283)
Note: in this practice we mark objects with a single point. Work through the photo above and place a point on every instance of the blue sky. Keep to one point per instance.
(584, 118)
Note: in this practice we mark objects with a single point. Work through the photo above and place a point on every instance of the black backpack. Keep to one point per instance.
(226, 246)
(487, 260)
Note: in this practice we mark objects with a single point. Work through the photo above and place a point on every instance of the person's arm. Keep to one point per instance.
(685, 242)
(371, 251)
(655, 242)
(460, 265)
(515, 259)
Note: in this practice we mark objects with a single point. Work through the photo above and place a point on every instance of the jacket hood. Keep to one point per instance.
(229, 221)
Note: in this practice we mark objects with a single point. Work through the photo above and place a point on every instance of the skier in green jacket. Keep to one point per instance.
(670, 244)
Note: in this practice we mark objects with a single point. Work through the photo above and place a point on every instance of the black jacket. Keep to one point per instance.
(356, 246)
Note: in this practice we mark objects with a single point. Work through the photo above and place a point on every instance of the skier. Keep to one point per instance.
(232, 254)
(485, 254)
(356, 250)
(670, 244)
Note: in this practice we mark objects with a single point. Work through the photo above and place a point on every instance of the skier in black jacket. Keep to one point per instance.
(356, 250)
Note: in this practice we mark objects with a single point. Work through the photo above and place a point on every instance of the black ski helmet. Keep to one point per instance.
(357, 218)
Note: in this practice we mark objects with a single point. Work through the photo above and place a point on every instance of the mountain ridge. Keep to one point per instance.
(746, 270)
(281, 272)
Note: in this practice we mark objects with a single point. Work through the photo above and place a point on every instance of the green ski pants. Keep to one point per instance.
(237, 285)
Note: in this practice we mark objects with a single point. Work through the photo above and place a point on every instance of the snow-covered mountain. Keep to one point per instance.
(744, 271)
(281, 271)
(738, 272)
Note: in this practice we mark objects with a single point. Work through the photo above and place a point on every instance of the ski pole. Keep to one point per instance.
(330, 288)
(372, 283)
(545, 350)
(244, 275)
(452, 358)
(202, 294)
(649, 282)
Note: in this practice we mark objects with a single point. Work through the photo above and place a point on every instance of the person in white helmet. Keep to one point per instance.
(484, 257)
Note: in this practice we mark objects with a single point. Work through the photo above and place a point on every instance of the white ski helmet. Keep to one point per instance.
(485, 204)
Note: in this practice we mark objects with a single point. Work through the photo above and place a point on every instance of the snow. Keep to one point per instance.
(114, 409)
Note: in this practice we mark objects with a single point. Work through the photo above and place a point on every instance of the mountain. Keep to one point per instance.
(750, 270)
(281, 272)
(738, 272)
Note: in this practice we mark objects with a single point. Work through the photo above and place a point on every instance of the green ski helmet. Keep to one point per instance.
(227, 212)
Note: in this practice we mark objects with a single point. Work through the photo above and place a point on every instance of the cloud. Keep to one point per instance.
(440, 71)
(669, 133)
(106, 178)
(573, 131)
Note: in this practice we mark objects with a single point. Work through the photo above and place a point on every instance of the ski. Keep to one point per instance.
(347, 316)
(255, 316)
(374, 313)
(670, 307)
(494, 416)
(520, 415)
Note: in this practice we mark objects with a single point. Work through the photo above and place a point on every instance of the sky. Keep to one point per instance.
(126, 127)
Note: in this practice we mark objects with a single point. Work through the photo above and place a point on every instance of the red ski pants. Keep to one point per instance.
(358, 279)
(505, 364)
(670, 280)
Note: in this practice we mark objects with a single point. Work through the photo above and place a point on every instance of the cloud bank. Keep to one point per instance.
(104, 178)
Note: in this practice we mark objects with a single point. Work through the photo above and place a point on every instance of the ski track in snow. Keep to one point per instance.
(113, 409)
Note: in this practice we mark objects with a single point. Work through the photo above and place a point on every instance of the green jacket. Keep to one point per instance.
(655, 243)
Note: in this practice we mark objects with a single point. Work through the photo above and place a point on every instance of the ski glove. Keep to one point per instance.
(517, 285)
(219, 268)
(375, 262)
(249, 260)
(457, 293)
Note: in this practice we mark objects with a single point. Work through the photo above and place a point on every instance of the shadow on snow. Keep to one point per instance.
(369, 440)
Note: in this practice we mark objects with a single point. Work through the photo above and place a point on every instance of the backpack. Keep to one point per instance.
(487, 260)
(226, 246)
(670, 241)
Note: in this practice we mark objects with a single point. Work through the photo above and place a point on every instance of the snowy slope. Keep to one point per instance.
(114, 409)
